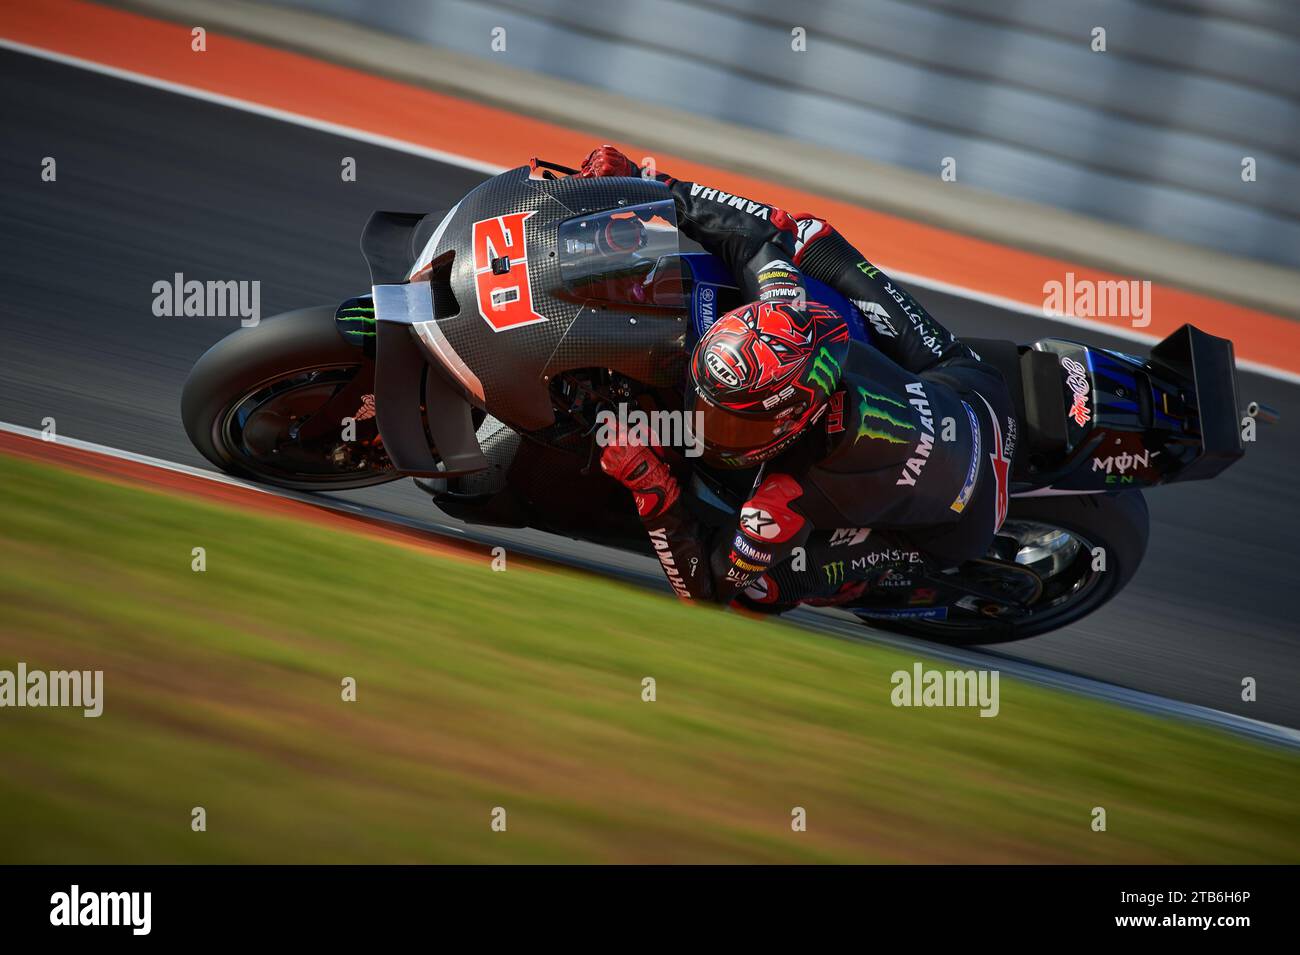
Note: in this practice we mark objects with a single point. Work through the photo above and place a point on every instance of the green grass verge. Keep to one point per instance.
(523, 690)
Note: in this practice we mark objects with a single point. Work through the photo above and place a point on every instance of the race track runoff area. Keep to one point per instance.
(326, 695)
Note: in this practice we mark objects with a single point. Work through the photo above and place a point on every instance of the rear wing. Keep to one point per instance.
(1209, 365)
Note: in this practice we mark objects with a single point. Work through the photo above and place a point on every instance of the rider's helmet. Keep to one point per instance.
(760, 375)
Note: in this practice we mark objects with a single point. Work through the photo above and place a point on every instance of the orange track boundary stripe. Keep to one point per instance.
(324, 91)
(136, 474)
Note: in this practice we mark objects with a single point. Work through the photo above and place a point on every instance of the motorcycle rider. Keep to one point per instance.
(875, 459)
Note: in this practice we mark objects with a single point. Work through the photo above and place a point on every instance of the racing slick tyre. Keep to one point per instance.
(1085, 549)
(249, 405)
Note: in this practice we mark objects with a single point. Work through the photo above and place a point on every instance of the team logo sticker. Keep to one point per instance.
(850, 536)
(706, 306)
(762, 590)
(877, 316)
(1076, 378)
(903, 613)
(758, 523)
(749, 550)
(1001, 457)
(972, 469)
(807, 230)
(725, 364)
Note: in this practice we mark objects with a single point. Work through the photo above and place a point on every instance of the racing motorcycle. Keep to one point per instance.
(495, 334)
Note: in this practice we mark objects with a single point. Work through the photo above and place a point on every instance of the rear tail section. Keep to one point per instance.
(1096, 420)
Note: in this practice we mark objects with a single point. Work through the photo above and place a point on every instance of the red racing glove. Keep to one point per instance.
(607, 161)
(644, 473)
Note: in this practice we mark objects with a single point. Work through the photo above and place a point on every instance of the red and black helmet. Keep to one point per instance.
(760, 374)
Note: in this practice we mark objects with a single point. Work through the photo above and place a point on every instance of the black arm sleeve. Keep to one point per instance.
(731, 227)
(900, 327)
(676, 537)
(739, 230)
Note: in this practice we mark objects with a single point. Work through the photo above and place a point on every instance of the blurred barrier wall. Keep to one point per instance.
(1151, 133)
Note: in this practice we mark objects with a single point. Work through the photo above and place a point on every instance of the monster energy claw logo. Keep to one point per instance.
(871, 413)
(358, 319)
(834, 572)
(825, 371)
(357, 313)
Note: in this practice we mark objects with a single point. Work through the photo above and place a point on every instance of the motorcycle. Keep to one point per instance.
(494, 335)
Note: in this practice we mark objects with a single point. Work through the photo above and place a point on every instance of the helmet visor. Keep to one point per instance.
(726, 431)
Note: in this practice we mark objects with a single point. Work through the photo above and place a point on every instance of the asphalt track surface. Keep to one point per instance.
(150, 183)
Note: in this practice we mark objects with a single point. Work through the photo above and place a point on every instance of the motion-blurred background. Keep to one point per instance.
(1146, 124)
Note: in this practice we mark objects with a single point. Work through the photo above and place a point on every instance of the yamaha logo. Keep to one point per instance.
(705, 307)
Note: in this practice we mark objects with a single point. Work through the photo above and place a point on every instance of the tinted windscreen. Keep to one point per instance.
(628, 255)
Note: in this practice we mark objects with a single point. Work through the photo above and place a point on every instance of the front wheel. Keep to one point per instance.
(288, 402)
(1076, 552)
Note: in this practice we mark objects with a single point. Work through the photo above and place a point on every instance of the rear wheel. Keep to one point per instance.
(269, 402)
(1060, 559)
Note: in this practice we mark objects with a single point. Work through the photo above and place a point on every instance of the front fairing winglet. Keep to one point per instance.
(403, 364)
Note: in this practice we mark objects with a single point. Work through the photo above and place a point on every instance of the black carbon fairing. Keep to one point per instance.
(516, 326)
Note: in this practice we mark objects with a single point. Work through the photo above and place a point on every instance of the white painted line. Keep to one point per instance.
(841, 624)
(829, 622)
(466, 162)
(216, 477)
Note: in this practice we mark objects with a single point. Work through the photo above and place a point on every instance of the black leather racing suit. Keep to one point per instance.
(910, 462)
